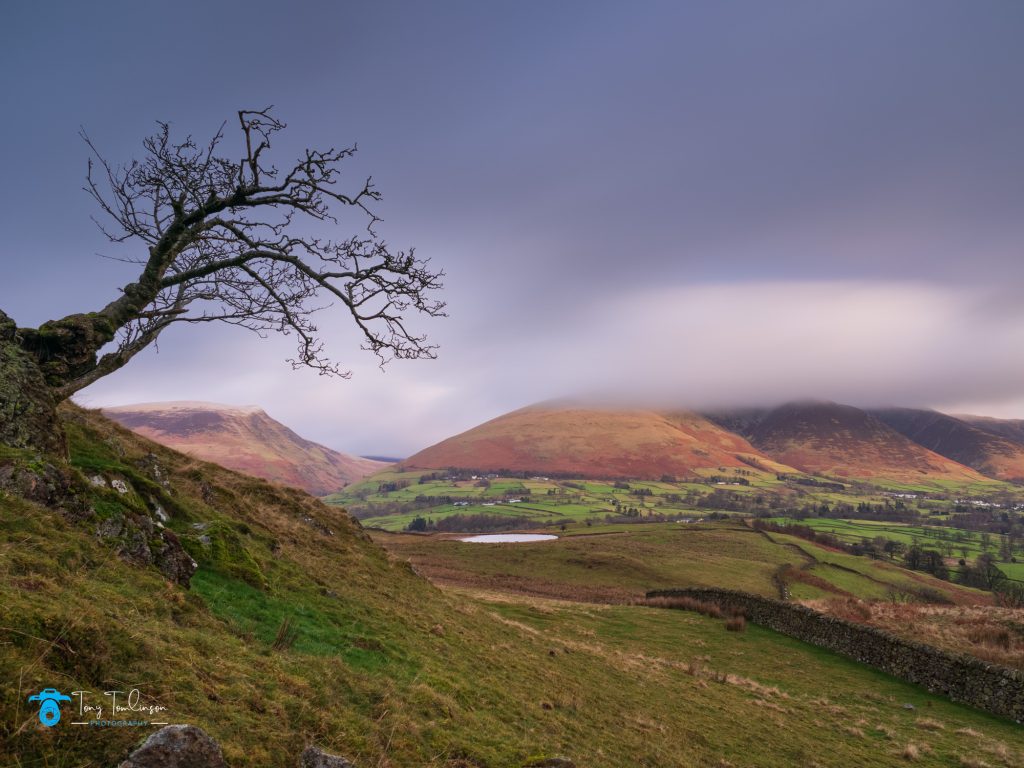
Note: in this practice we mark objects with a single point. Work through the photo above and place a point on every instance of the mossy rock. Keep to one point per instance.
(219, 547)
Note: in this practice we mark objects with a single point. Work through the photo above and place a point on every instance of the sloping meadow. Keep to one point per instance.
(297, 628)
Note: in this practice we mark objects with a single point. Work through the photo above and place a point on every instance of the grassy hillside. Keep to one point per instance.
(953, 542)
(247, 440)
(991, 454)
(842, 441)
(298, 627)
(620, 563)
(593, 442)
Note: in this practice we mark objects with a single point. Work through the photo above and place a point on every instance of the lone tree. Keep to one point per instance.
(220, 240)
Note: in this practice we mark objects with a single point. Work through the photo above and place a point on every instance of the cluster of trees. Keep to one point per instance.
(931, 561)
(394, 485)
(649, 516)
(1005, 522)
(810, 481)
(730, 501)
(421, 501)
(890, 511)
(629, 512)
(448, 475)
(736, 480)
(478, 523)
(982, 573)
(380, 509)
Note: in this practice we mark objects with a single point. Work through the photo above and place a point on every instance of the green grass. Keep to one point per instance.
(615, 566)
(621, 562)
(956, 543)
(391, 671)
(584, 499)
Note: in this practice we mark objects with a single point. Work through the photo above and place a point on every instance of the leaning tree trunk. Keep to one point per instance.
(28, 406)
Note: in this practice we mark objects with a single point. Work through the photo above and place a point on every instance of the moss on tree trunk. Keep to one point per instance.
(28, 408)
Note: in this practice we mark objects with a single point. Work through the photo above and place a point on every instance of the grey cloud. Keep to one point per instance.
(866, 343)
(716, 199)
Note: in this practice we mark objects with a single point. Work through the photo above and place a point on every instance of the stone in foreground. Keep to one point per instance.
(177, 746)
(312, 757)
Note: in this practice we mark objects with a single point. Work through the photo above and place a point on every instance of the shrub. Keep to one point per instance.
(736, 624)
(683, 604)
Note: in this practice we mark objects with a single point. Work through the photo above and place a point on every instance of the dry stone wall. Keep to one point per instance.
(991, 687)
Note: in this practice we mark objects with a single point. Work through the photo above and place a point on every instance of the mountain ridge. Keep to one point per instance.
(814, 437)
(245, 439)
(826, 438)
(993, 454)
(549, 438)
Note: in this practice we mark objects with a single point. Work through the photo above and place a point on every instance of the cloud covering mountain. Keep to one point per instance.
(666, 200)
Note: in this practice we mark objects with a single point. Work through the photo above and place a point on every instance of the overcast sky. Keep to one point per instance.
(682, 202)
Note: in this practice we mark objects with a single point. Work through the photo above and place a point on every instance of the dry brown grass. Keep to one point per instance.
(968, 732)
(987, 632)
(736, 624)
(915, 750)
(683, 603)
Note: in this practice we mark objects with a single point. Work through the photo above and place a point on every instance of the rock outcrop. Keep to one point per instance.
(187, 746)
(177, 746)
(314, 757)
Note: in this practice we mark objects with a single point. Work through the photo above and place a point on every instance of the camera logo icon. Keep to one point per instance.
(49, 705)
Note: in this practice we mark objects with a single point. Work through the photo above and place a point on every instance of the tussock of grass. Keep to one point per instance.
(928, 724)
(911, 752)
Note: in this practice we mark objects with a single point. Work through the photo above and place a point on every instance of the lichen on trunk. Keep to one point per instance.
(28, 407)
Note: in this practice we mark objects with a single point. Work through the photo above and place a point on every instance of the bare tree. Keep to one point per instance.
(220, 240)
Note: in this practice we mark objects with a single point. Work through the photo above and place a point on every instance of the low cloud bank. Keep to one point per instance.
(752, 343)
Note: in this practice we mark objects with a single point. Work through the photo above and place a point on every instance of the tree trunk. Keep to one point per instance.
(28, 407)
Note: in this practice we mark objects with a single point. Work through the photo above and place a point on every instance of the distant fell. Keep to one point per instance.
(1012, 429)
(592, 442)
(245, 439)
(991, 451)
(842, 441)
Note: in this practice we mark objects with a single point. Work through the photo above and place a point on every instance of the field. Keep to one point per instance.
(953, 542)
(391, 500)
(620, 563)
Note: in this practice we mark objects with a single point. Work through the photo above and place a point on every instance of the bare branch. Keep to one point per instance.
(223, 243)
